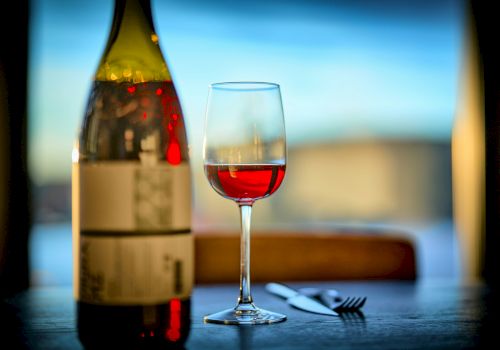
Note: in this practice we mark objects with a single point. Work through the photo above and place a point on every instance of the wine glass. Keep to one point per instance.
(244, 154)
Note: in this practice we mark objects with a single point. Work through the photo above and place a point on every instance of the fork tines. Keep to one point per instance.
(351, 304)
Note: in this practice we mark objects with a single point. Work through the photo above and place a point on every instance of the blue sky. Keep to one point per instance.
(347, 69)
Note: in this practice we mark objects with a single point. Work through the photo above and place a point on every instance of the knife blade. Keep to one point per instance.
(299, 301)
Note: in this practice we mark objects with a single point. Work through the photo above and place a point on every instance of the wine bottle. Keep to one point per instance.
(132, 242)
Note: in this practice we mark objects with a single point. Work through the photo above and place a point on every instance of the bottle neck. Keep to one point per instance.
(132, 52)
(131, 21)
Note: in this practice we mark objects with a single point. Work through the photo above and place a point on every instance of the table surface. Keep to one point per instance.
(409, 315)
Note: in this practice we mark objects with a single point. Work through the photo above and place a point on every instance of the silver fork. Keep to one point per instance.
(349, 304)
(333, 300)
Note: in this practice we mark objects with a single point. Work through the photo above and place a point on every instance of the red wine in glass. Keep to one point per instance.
(245, 183)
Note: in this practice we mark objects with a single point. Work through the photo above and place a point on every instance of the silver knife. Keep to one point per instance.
(299, 301)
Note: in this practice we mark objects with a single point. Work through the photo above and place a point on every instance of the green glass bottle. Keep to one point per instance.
(132, 242)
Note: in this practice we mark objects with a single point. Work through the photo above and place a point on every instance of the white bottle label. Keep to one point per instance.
(135, 270)
(128, 196)
(132, 233)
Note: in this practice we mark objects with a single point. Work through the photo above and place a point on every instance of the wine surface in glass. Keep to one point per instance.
(245, 182)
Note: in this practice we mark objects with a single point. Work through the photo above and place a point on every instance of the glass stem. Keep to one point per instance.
(245, 296)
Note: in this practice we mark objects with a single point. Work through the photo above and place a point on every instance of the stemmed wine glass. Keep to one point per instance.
(244, 153)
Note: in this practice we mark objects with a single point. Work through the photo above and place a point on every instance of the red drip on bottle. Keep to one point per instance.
(174, 330)
(173, 150)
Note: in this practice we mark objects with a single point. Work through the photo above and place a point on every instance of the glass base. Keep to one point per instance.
(244, 315)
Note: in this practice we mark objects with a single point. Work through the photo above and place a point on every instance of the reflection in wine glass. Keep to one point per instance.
(244, 155)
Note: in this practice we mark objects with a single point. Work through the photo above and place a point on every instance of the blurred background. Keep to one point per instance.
(370, 92)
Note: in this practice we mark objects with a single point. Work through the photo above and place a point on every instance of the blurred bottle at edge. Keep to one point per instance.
(476, 147)
(132, 242)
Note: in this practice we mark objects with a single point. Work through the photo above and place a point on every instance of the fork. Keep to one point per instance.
(349, 304)
(334, 301)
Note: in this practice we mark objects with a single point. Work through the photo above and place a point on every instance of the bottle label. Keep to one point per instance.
(128, 196)
(135, 270)
(132, 227)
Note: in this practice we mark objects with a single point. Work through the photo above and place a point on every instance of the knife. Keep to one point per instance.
(299, 301)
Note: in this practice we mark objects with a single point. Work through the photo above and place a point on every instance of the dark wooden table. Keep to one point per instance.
(397, 315)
